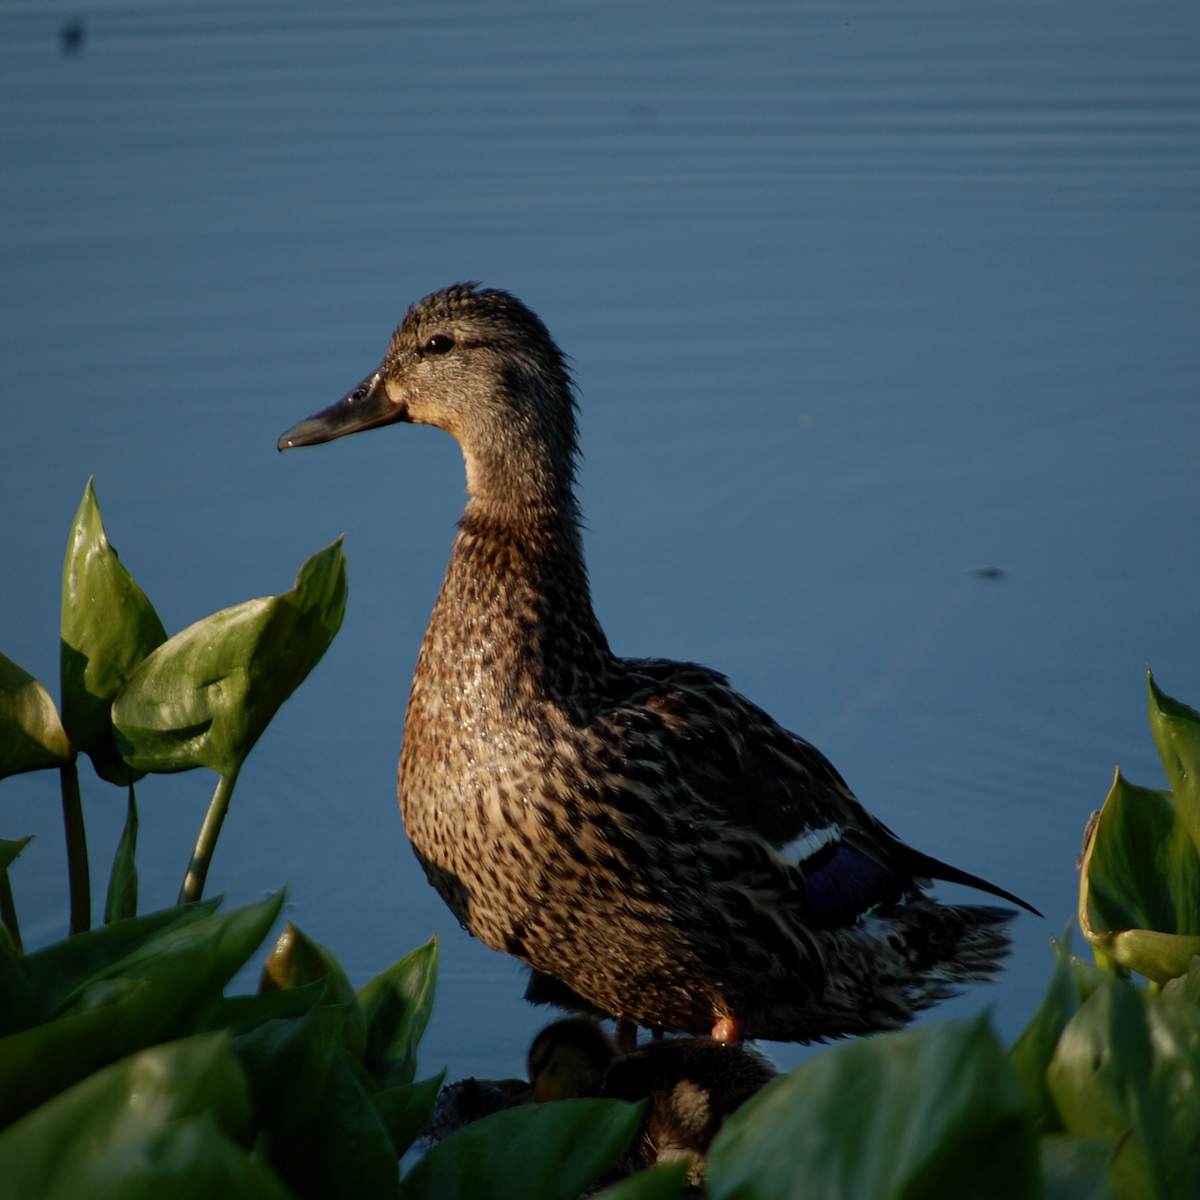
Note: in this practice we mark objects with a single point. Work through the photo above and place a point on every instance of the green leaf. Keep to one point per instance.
(1031, 1053)
(242, 1014)
(535, 1152)
(160, 990)
(296, 960)
(664, 1182)
(929, 1112)
(1075, 1168)
(1176, 730)
(406, 1110)
(344, 1150)
(397, 1004)
(1139, 890)
(18, 1004)
(58, 969)
(161, 1123)
(31, 735)
(204, 698)
(123, 882)
(108, 628)
(1127, 1070)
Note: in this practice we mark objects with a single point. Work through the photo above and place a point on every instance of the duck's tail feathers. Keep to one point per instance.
(924, 865)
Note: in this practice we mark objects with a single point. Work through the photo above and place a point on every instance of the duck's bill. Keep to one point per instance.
(368, 406)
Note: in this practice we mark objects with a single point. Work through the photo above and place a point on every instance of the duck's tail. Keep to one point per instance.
(932, 868)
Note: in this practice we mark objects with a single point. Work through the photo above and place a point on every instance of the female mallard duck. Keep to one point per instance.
(633, 827)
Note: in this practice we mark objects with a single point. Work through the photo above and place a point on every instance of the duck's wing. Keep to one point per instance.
(758, 778)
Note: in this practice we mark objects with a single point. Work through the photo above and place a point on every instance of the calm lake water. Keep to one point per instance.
(860, 298)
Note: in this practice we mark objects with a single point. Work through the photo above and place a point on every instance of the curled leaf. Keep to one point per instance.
(31, 735)
(204, 698)
(108, 627)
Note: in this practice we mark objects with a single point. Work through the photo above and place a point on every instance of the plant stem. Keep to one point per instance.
(197, 872)
(8, 912)
(77, 855)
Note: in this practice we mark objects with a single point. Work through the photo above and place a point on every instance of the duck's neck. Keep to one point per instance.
(517, 602)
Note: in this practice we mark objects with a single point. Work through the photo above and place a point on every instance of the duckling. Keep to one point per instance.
(569, 1060)
(632, 827)
(693, 1084)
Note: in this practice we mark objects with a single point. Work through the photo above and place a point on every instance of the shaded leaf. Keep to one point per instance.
(1075, 1168)
(204, 698)
(535, 1152)
(108, 628)
(928, 1112)
(161, 1123)
(1139, 890)
(158, 991)
(664, 1182)
(58, 969)
(123, 882)
(1031, 1053)
(343, 1150)
(1127, 1070)
(406, 1110)
(1176, 730)
(31, 735)
(296, 960)
(18, 1004)
(397, 1004)
(241, 1014)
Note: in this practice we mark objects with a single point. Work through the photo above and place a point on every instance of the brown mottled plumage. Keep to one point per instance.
(633, 827)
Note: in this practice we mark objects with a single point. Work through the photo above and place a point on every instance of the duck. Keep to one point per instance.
(633, 828)
(692, 1084)
(569, 1060)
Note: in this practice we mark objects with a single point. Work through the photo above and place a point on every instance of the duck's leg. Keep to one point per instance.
(626, 1035)
(729, 1030)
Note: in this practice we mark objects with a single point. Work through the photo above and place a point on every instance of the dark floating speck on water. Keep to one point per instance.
(72, 35)
(988, 572)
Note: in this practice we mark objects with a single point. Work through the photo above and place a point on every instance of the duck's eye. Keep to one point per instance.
(440, 343)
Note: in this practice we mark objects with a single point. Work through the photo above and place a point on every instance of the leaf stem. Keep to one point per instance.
(206, 843)
(8, 912)
(77, 855)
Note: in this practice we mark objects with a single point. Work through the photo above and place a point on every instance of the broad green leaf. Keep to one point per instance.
(241, 1014)
(406, 1110)
(60, 968)
(286, 1062)
(204, 698)
(1176, 730)
(665, 1182)
(108, 628)
(1139, 888)
(1075, 1168)
(39, 1062)
(9, 851)
(534, 1152)
(1127, 1070)
(929, 1112)
(161, 1123)
(296, 960)
(160, 990)
(397, 1004)
(1031, 1053)
(343, 1150)
(18, 1004)
(31, 735)
(123, 882)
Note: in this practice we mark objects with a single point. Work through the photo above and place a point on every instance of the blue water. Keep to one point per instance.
(859, 297)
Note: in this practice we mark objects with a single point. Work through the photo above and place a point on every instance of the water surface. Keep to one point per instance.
(859, 297)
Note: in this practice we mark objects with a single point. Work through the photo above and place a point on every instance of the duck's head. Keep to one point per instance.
(568, 1060)
(480, 365)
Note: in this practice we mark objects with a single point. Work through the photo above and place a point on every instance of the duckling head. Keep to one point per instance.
(479, 364)
(569, 1059)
